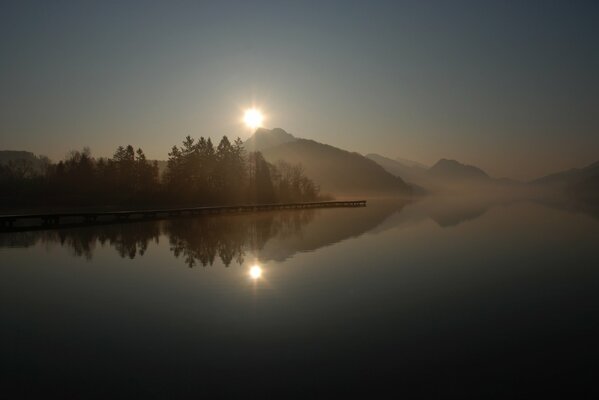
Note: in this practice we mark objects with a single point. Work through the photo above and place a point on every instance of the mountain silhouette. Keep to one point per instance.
(577, 188)
(444, 175)
(411, 172)
(411, 163)
(453, 170)
(570, 177)
(450, 176)
(36, 162)
(264, 138)
(587, 189)
(337, 171)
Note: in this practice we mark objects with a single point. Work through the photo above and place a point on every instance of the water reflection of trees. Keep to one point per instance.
(129, 240)
(268, 236)
(198, 241)
(201, 241)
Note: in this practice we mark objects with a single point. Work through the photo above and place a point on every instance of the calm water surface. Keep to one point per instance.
(438, 298)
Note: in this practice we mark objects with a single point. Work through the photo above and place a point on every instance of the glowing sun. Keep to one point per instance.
(253, 118)
(255, 272)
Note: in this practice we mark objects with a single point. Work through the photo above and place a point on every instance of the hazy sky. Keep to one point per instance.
(510, 86)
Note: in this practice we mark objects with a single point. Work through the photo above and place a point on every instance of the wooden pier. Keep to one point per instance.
(55, 220)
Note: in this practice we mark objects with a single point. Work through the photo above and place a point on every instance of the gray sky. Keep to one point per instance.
(509, 86)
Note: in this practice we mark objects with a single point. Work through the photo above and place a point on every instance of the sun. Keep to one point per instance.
(253, 118)
(255, 272)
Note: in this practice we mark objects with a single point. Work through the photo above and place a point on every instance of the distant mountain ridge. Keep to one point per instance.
(444, 175)
(569, 177)
(577, 183)
(454, 170)
(411, 163)
(413, 174)
(336, 171)
(37, 162)
(14, 155)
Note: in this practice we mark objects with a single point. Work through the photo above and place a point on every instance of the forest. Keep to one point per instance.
(197, 173)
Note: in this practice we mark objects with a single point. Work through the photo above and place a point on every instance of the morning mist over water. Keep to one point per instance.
(363, 286)
(275, 200)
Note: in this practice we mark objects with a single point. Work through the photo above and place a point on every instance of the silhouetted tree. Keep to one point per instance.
(261, 189)
(197, 173)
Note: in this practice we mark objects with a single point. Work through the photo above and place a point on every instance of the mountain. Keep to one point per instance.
(414, 173)
(450, 176)
(586, 189)
(264, 138)
(411, 163)
(452, 170)
(37, 162)
(337, 171)
(578, 184)
(14, 155)
(442, 176)
(569, 177)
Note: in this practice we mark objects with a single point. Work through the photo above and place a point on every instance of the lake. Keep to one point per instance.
(437, 298)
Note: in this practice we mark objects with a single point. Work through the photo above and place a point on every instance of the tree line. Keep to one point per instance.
(197, 173)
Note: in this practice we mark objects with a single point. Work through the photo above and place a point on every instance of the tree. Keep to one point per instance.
(197, 174)
(261, 188)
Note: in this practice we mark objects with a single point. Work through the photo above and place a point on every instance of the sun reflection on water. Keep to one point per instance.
(255, 272)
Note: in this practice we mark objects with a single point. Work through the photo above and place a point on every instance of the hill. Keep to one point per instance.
(264, 138)
(570, 177)
(410, 172)
(444, 175)
(16, 155)
(586, 189)
(411, 163)
(452, 170)
(448, 176)
(36, 162)
(579, 184)
(337, 171)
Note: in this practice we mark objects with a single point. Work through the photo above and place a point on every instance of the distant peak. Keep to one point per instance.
(279, 131)
(273, 131)
(411, 163)
(455, 169)
(264, 138)
(446, 161)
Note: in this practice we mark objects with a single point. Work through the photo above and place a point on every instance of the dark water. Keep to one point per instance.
(440, 298)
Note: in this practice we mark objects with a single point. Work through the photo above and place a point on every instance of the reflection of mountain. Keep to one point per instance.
(571, 204)
(269, 236)
(230, 238)
(331, 226)
(337, 171)
(446, 211)
(452, 212)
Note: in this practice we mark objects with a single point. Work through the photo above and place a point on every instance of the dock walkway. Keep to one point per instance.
(53, 220)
